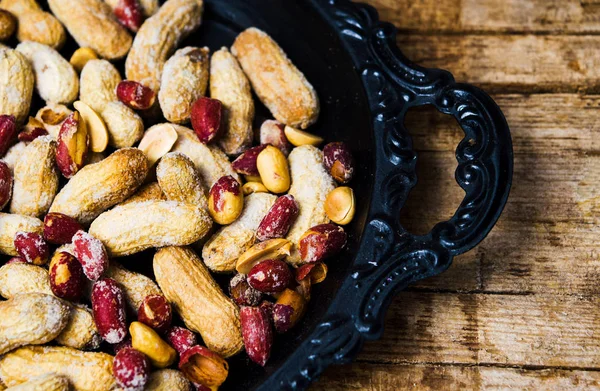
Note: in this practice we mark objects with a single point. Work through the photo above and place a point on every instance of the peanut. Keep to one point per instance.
(226, 200)
(135, 95)
(204, 367)
(229, 84)
(281, 87)
(13, 154)
(158, 141)
(149, 7)
(32, 130)
(184, 80)
(246, 162)
(35, 179)
(321, 242)
(16, 84)
(31, 319)
(185, 280)
(340, 205)
(135, 227)
(18, 278)
(60, 228)
(55, 79)
(167, 380)
(258, 333)
(81, 57)
(210, 161)
(206, 115)
(91, 254)
(6, 184)
(299, 137)
(99, 80)
(97, 132)
(224, 247)
(254, 187)
(86, 371)
(273, 132)
(181, 339)
(52, 117)
(158, 37)
(151, 191)
(66, 276)
(269, 249)
(180, 181)
(281, 216)
(338, 160)
(8, 131)
(131, 369)
(80, 331)
(313, 272)
(288, 310)
(156, 312)
(73, 143)
(32, 247)
(47, 382)
(92, 25)
(147, 341)
(274, 169)
(99, 186)
(311, 183)
(8, 25)
(270, 276)
(10, 224)
(35, 24)
(129, 14)
(108, 305)
(135, 286)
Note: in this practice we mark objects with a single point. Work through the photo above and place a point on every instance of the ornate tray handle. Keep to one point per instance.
(390, 258)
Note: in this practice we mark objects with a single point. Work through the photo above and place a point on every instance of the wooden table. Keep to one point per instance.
(522, 310)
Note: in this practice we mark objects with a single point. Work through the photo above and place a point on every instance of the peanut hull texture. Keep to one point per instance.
(281, 86)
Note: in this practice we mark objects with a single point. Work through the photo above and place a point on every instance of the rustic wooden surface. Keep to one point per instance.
(522, 310)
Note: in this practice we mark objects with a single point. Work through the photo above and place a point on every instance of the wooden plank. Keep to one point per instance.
(521, 63)
(509, 330)
(377, 377)
(539, 123)
(473, 16)
(547, 238)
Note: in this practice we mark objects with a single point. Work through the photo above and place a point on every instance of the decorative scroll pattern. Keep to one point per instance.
(390, 258)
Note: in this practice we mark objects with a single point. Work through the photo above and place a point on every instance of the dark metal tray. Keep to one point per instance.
(366, 87)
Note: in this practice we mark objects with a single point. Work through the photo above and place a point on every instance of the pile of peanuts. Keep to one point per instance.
(210, 189)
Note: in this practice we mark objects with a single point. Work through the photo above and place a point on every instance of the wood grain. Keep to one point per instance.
(521, 311)
(511, 63)
(515, 330)
(379, 377)
(495, 16)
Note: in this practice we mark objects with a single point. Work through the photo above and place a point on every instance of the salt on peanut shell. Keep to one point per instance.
(184, 80)
(86, 371)
(35, 178)
(48, 381)
(31, 319)
(55, 78)
(10, 224)
(167, 380)
(16, 278)
(131, 228)
(136, 286)
(92, 24)
(184, 279)
(281, 87)
(210, 161)
(97, 187)
(222, 250)
(311, 183)
(229, 84)
(16, 84)
(158, 38)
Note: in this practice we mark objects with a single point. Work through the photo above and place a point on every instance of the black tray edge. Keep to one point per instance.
(390, 258)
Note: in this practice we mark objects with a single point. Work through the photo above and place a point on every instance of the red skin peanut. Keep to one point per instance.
(108, 305)
(280, 218)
